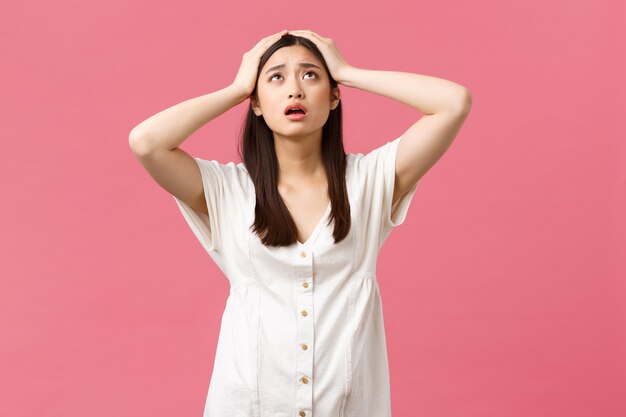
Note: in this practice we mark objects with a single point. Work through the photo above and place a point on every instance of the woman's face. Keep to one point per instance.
(290, 83)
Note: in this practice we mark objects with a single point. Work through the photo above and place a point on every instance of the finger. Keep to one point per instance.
(272, 38)
(308, 32)
(301, 33)
(279, 34)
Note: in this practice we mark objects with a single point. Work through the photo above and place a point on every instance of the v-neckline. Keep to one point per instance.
(317, 228)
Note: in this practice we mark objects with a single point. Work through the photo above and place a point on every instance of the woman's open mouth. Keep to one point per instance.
(295, 114)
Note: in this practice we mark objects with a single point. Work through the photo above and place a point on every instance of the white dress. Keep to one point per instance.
(302, 333)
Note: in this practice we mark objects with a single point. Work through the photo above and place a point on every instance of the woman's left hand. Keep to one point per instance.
(334, 60)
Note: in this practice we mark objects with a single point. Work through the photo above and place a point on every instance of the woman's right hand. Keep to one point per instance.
(247, 74)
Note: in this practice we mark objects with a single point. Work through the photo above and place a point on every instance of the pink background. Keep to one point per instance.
(503, 293)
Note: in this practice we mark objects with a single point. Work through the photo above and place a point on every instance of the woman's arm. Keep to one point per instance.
(426, 94)
(167, 129)
(170, 127)
(155, 141)
(445, 105)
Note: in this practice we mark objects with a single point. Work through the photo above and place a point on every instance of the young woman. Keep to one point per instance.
(296, 227)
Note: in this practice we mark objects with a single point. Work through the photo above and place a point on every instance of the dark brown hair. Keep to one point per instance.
(273, 222)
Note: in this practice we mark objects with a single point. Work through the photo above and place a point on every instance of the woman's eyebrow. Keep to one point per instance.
(302, 65)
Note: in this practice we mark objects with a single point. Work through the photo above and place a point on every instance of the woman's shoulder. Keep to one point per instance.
(374, 153)
(230, 177)
(231, 168)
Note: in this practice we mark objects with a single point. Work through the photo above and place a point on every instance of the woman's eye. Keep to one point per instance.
(278, 75)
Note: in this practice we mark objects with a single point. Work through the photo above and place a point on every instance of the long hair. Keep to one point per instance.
(273, 222)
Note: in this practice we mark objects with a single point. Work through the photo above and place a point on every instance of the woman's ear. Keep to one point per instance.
(254, 102)
(335, 97)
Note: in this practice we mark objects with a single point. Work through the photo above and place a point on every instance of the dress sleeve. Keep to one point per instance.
(207, 229)
(379, 169)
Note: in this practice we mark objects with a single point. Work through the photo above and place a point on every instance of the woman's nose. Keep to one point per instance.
(295, 89)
